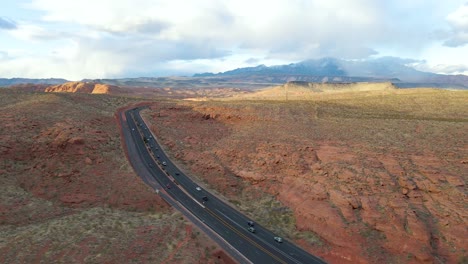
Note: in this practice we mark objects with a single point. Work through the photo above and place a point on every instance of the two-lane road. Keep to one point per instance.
(206, 210)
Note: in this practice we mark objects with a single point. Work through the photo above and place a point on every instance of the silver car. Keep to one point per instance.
(278, 239)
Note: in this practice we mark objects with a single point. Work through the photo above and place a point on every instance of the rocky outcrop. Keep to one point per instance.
(374, 191)
(72, 87)
(105, 89)
(84, 87)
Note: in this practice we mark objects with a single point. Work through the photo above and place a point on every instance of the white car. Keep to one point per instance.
(278, 239)
(198, 188)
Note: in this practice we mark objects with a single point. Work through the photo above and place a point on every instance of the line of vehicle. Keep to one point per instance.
(226, 224)
(244, 236)
(222, 220)
(280, 252)
(206, 209)
(158, 163)
(154, 182)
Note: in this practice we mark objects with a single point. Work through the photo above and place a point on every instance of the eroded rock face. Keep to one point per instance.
(72, 87)
(369, 193)
(84, 87)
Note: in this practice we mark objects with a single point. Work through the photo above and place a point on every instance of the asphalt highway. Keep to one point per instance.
(223, 223)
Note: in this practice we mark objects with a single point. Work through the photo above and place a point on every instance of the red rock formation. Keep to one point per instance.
(84, 87)
(369, 202)
(72, 87)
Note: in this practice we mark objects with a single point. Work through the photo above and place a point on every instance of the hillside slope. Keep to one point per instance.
(353, 177)
(306, 90)
(69, 195)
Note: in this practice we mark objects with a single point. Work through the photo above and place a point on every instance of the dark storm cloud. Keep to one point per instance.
(146, 51)
(456, 41)
(252, 61)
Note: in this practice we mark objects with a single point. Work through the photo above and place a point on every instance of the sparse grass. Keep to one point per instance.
(374, 137)
(310, 237)
(120, 219)
(105, 229)
(270, 213)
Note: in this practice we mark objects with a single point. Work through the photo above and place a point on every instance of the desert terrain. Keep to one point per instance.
(190, 88)
(354, 174)
(69, 195)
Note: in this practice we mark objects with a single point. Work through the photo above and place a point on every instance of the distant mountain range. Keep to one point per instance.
(336, 70)
(15, 81)
(325, 70)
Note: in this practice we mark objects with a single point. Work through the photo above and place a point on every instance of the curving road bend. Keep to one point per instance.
(221, 222)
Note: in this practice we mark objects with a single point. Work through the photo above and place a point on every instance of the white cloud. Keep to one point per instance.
(459, 18)
(439, 59)
(64, 63)
(107, 38)
(442, 68)
(30, 32)
(459, 22)
(276, 25)
(3, 55)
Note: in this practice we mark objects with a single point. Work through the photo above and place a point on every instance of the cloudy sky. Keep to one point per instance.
(130, 38)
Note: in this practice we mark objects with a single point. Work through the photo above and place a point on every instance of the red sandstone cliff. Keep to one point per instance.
(85, 87)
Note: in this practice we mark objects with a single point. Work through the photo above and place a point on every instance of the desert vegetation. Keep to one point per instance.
(68, 193)
(352, 175)
(375, 176)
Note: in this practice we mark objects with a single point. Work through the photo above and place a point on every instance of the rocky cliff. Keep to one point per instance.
(84, 87)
